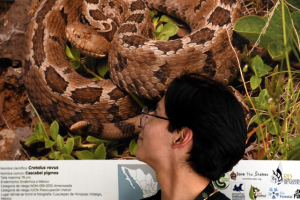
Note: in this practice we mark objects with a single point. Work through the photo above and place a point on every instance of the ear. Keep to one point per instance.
(183, 138)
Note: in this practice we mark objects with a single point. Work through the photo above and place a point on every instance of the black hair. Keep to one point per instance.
(216, 118)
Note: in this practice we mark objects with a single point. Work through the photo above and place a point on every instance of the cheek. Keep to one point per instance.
(157, 136)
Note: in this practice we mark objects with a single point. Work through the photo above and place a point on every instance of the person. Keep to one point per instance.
(196, 133)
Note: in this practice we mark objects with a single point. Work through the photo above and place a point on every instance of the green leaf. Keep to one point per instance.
(260, 102)
(49, 143)
(114, 152)
(35, 137)
(100, 152)
(77, 65)
(169, 29)
(295, 3)
(259, 119)
(245, 68)
(36, 128)
(66, 157)
(102, 67)
(274, 129)
(69, 145)
(163, 37)
(265, 18)
(54, 128)
(41, 137)
(273, 50)
(76, 53)
(42, 130)
(156, 35)
(267, 67)
(166, 18)
(77, 141)
(63, 150)
(33, 158)
(85, 155)
(255, 82)
(133, 146)
(69, 54)
(94, 140)
(159, 28)
(294, 153)
(31, 140)
(60, 141)
(258, 66)
(258, 132)
(250, 27)
(151, 13)
(55, 155)
(155, 21)
(263, 100)
(99, 141)
(296, 20)
(251, 193)
(44, 158)
(275, 30)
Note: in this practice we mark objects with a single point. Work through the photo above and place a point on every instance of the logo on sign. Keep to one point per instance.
(287, 176)
(223, 182)
(253, 192)
(276, 176)
(238, 188)
(297, 194)
(273, 193)
(287, 180)
(285, 196)
(238, 191)
(233, 175)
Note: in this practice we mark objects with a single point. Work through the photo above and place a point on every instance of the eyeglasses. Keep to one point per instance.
(145, 114)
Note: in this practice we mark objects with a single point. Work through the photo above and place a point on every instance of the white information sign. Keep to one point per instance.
(133, 180)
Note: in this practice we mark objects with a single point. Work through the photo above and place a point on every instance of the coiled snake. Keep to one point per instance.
(137, 62)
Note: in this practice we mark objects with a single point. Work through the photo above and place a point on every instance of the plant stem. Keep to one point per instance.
(35, 110)
(92, 73)
(136, 98)
(44, 130)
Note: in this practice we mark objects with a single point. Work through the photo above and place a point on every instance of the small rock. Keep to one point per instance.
(30, 110)
(13, 25)
(14, 76)
(23, 132)
(10, 147)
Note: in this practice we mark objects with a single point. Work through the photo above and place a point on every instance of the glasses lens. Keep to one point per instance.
(145, 109)
(143, 117)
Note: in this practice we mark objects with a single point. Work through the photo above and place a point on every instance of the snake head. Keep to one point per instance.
(84, 38)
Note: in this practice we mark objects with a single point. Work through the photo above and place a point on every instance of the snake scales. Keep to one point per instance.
(137, 63)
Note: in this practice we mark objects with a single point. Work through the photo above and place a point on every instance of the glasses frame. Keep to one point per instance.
(144, 112)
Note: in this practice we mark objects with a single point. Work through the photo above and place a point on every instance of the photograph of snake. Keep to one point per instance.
(90, 66)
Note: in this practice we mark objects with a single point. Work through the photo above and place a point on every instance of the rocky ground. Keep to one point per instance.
(16, 122)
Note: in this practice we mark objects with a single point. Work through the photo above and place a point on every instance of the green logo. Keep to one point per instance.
(204, 195)
(253, 192)
(223, 182)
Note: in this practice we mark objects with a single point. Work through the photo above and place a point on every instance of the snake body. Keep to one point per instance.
(137, 63)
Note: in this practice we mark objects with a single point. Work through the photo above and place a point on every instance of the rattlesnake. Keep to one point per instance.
(137, 63)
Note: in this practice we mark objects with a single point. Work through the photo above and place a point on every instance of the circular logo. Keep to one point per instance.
(233, 176)
(223, 182)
